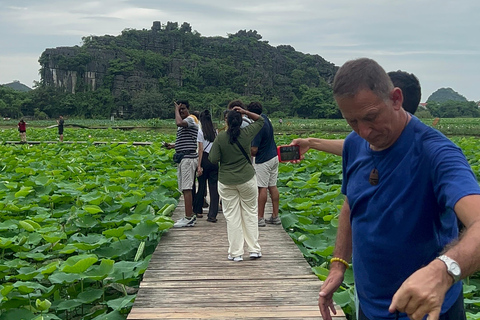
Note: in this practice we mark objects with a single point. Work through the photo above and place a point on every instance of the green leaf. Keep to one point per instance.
(120, 303)
(23, 192)
(100, 272)
(68, 304)
(92, 209)
(79, 264)
(90, 295)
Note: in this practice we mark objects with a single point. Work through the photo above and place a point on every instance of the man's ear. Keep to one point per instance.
(396, 95)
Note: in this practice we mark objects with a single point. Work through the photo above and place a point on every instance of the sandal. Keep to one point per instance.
(199, 215)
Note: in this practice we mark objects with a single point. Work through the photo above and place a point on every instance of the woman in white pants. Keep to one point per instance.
(237, 183)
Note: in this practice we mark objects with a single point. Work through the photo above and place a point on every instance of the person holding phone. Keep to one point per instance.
(405, 186)
(237, 184)
(412, 93)
(264, 150)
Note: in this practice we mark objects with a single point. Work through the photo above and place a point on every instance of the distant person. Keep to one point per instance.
(412, 93)
(60, 123)
(206, 171)
(237, 184)
(264, 150)
(22, 128)
(280, 121)
(238, 103)
(186, 144)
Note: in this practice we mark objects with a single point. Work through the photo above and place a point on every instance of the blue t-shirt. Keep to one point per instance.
(265, 141)
(405, 221)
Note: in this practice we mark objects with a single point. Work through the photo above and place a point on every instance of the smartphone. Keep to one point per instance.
(288, 153)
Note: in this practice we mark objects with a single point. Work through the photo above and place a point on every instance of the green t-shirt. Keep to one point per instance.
(233, 166)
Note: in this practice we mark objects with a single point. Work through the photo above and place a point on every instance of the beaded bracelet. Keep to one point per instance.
(340, 260)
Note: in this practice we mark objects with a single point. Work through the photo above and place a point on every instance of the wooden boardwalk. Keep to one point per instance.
(189, 277)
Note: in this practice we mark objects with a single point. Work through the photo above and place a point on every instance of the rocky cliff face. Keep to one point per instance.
(168, 55)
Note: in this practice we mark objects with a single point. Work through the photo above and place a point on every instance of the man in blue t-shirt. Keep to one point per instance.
(405, 185)
(264, 150)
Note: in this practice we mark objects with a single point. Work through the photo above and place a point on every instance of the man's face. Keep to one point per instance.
(183, 111)
(372, 118)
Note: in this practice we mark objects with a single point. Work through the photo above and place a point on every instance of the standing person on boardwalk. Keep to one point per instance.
(60, 123)
(206, 171)
(186, 144)
(237, 184)
(264, 150)
(22, 128)
(411, 91)
(405, 185)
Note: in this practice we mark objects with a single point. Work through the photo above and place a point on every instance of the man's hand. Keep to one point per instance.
(304, 147)
(423, 292)
(199, 171)
(325, 297)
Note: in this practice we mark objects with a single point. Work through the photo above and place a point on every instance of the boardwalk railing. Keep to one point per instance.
(189, 277)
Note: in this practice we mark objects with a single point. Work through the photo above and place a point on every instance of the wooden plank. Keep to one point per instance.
(190, 277)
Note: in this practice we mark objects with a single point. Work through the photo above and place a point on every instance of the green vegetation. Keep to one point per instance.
(79, 222)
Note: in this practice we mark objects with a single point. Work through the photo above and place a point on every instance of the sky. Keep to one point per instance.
(437, 40)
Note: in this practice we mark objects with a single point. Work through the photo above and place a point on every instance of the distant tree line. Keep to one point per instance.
(140, 72)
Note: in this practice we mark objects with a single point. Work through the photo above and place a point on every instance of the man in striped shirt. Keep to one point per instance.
(186, 143)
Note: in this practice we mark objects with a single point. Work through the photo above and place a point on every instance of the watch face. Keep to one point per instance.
(455, 269)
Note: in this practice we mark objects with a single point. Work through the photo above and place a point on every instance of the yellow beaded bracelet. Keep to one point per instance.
(340, 260)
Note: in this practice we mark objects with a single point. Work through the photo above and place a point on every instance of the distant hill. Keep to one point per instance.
(446, 94)
(143, 71)
(18, 86)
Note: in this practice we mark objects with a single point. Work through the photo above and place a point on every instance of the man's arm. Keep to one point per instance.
(424, 291)
(253, 151)
(343, 250)
(327, 145)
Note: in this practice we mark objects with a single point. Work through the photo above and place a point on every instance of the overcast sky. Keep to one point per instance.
(437, 40)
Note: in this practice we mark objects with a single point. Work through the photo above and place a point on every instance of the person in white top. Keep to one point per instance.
(206, 171)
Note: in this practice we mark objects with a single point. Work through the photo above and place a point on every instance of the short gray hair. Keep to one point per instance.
(361, 74)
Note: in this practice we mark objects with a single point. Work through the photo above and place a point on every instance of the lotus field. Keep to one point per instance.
(79, 222)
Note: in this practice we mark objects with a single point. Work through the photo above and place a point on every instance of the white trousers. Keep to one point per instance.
(240, 203)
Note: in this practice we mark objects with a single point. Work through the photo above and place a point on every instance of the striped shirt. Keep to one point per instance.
(187, 138)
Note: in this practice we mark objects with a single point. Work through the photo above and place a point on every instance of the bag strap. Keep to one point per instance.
(243, 151)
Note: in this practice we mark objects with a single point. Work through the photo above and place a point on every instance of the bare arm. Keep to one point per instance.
(253, 151)
(200, 156)
(327, 145)
(343, 250)
(251, 115)
(424, 291)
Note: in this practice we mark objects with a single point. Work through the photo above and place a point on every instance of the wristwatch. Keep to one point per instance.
(453, 268)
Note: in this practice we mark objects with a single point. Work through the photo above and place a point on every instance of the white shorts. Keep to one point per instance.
(186, 173)
(267, 173)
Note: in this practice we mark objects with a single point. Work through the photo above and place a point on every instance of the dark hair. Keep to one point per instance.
(185, 102)
(236, 103)
(234, 121)
(361, 74)
(207, 125)
(255, 107)
(411, 89)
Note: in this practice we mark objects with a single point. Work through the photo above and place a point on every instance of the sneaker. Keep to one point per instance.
(255, 255)
(185, 222)
(261, 222)
(236, 259)
(273, 220)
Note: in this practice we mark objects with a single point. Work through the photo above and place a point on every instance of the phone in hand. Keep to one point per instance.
(288, 153)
